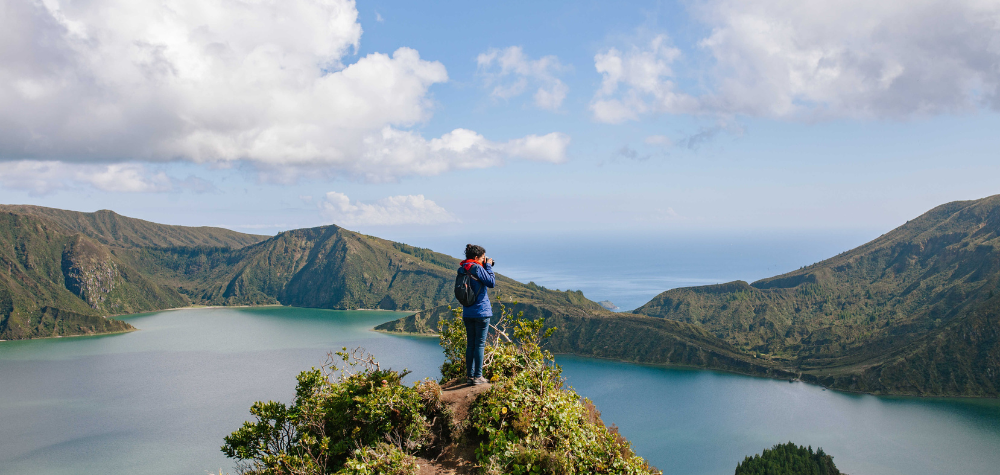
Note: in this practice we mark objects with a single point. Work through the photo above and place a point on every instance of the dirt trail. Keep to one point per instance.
(455, 459)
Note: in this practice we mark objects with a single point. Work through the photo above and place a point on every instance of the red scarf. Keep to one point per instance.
(468, 263)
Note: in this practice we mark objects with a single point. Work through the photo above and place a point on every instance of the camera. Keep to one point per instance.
(491, 261)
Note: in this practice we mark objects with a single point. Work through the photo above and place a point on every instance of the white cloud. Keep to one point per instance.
(813, 59)
(210, 81)
(853, 58)
(509, 71)
(44, 177)
(125, 177)
(638, 81)
(394, 210)
(408, 153)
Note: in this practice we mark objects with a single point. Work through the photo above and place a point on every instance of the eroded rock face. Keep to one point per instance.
(89, 271)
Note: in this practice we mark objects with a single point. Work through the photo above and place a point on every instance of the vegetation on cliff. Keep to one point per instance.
(350, 416)
(364, 420)
(527, 421)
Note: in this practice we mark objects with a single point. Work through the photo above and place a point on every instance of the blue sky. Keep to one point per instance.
(408, 119)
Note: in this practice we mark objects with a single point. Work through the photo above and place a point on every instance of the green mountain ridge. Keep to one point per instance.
(112, 229)
(104, 264)
(322, 267)
(911, 312)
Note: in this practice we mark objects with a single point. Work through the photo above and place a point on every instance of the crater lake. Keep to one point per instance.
(160, 400)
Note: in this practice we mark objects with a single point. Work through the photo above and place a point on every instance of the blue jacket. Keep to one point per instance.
(483, 277)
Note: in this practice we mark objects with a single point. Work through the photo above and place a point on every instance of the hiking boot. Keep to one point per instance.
(479, 380)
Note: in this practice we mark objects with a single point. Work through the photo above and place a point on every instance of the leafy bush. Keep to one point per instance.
(527, 422)
(357, 418)
(339, 416)
(452, 335)
(381, 459)
(788, 459)
(512, 344)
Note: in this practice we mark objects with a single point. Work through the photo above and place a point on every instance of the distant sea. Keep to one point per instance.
(630, 270)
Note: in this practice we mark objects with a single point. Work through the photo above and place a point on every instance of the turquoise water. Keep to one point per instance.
(703, 422)
(160, 400)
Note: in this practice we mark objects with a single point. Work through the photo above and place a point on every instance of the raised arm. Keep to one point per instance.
(485, 274)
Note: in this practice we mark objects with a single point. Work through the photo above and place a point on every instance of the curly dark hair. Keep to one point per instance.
(473, 251)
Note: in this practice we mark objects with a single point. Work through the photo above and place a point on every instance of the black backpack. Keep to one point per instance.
(463, 288)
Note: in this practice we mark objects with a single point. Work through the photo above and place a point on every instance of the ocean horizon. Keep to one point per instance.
(629, 269)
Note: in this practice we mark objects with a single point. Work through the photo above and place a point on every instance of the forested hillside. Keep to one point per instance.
(53, 283)
(914, 311)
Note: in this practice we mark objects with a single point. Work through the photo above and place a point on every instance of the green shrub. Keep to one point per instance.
(527, 422)
(452, 335)
(357, 418)
(512, 344)
(380, 459)
(337, 411)
(788, 459)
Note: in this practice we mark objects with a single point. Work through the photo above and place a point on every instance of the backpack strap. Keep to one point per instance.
(473, 277)
(467, 269)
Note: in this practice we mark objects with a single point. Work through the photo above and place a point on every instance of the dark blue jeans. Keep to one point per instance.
(475, 343)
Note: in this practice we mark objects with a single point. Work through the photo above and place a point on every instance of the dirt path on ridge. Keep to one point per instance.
(455, 459)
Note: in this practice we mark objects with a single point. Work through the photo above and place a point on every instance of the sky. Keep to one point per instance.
(406, 119)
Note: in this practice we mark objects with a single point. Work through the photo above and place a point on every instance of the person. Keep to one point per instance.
(477, 316)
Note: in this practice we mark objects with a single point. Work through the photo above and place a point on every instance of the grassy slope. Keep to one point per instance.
(911, 312)
(62, 272)
(35, 258)
(331, 267)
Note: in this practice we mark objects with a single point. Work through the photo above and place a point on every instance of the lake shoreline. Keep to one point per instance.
(725, 371)
(73, 336)
(123, 316)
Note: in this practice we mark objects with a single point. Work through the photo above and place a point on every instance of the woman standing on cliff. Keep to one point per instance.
(477, 316)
